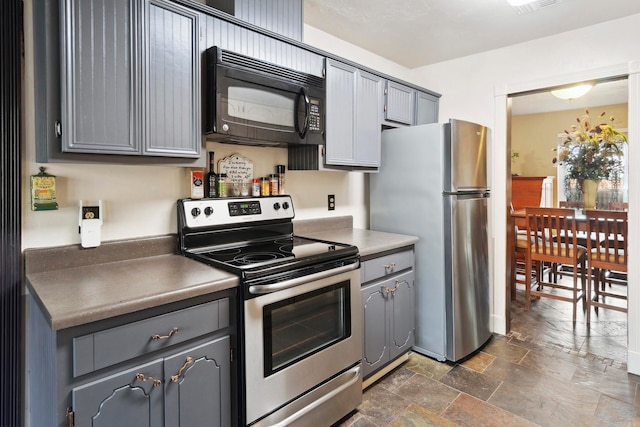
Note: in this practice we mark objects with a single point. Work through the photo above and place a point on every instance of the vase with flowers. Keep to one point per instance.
(591, 152)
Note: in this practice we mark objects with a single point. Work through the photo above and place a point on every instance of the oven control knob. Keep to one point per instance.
(276, 206)
(195, 212)
(208, 210)
(285, 205)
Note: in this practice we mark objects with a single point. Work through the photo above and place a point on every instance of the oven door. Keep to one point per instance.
(302, 338)
(258, 107)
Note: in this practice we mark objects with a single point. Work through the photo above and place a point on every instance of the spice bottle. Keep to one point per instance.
(280, 170)
(265, 186)
(222, 185)
(273, 179)
(255, 187)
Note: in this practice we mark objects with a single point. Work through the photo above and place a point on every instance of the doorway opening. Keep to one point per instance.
(536, 125)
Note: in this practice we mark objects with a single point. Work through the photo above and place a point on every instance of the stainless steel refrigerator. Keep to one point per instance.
(433, 184)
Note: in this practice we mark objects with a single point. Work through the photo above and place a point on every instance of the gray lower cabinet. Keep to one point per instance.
(190, 388)
(166, 366)
(388, 309)
(130, 79)
(353, 115)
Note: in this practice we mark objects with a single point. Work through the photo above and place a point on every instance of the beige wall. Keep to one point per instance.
(534, 136)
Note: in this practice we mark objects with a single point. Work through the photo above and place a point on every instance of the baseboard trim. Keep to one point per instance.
(384, 371)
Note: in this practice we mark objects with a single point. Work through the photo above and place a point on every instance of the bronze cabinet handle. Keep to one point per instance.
(156, 337)
(141, 377)
(188, 362)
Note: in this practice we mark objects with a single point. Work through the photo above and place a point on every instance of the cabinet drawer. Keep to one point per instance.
(388, 264)
(111, 346)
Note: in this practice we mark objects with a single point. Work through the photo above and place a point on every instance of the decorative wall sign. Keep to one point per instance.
(238, 169)
(43, 192)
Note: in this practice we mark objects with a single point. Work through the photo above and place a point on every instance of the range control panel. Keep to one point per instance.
(215, 212)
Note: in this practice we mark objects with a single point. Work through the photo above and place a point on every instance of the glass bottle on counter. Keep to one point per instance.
(222, 185)
(280, 170)
(211, 181)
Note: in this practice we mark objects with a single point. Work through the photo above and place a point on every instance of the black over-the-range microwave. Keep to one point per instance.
(249, 101)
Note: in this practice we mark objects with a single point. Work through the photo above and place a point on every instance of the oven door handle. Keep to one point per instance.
(274, 287)
(355, 376)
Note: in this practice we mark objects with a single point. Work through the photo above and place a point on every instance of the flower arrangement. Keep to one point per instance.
(591, 152)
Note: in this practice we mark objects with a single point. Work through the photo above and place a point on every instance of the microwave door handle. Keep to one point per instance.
(302, 132)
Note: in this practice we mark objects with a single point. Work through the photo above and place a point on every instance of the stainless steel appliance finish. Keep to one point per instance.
(433, 184)
(254, 102)
(300, 343)
(272, 383)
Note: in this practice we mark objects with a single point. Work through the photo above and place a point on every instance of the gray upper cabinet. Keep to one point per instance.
(100, 108)
(284, 17)
(130, 78)
(173, 125)
(340, 113)
(426, 108)
(399, 103)
(353, 116)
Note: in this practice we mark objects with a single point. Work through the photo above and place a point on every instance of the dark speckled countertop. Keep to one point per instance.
(75, 286)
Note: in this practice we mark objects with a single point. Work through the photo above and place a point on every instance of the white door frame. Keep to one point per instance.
(499, 197)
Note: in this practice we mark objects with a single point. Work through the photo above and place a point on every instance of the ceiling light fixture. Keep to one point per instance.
(571, 93)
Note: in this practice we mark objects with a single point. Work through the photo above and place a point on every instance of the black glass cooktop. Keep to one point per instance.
(264, 253)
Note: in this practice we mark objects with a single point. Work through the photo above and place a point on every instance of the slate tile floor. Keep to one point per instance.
(544, 372)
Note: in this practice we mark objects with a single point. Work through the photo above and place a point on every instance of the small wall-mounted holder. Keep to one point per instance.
(90, 221)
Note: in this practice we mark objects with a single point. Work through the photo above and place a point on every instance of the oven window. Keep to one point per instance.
(303, 325)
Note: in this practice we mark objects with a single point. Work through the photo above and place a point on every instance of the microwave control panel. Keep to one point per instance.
(314, 115)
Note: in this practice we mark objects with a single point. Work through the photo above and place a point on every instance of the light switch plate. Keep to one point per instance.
(331, 202)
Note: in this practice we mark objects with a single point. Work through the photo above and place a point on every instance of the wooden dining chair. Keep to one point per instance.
(552, 224)
(609, 254)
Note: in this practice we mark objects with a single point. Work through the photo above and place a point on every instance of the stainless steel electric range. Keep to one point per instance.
(300, 343)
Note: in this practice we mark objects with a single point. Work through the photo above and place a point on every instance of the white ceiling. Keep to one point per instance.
(415, 33)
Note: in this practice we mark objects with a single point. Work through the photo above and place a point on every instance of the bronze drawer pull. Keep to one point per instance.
(141, 377)
(390, 266)
(188, 362)
(157, 337)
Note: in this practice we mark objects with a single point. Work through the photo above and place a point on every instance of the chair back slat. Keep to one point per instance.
(610, 249)
(552, 234)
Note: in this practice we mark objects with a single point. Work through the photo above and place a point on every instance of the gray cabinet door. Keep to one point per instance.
(123, 399)
(100, 106)
(375, 323)
(198, 386)
(426, 108)
(402, 307)
(340, 113)
(284, 17)
(400, 103)
(369, 107)
(173, 105)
